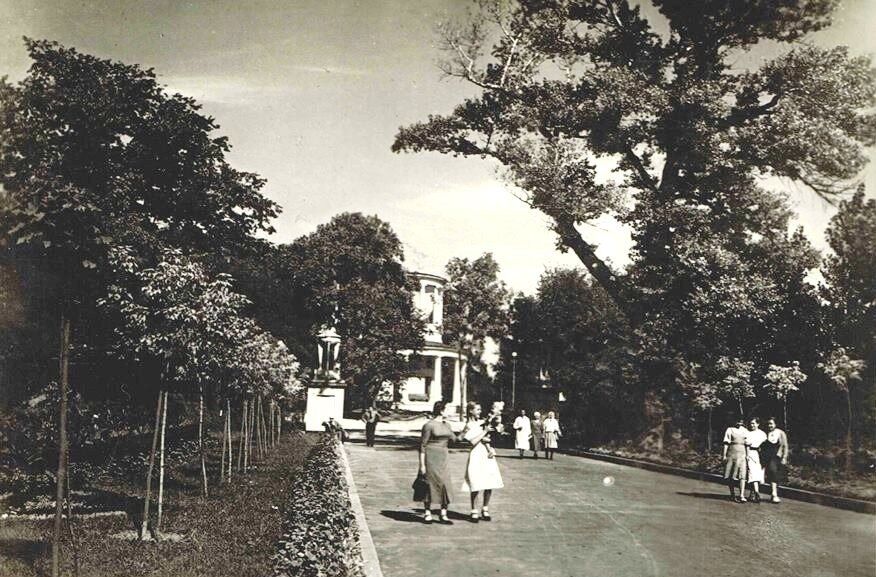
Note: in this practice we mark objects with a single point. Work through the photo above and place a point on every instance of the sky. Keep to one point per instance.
(311, 94)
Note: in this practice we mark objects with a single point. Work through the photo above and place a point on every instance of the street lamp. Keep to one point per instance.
(513, 378)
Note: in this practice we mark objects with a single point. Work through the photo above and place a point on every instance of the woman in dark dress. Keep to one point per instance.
(774, 454)
(433, 462)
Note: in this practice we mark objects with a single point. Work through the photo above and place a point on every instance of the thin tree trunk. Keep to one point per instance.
(263, 427)
(741, 409)
(849, 432)
(63, 370)
(224, 447)
(242, 435)
(145, 523)
(709, 433)
(258, 428)
(161, 465)
(73, 541)
(201, 441)
(785, 415)
(248, 410)
(228, 426)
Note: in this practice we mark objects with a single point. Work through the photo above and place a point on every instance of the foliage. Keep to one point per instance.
(475, 305)
(320, 535)
(782, 381)
(841, 370)
(349, 274)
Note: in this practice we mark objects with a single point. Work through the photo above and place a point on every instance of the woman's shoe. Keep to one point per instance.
(474, 517)
(444, 520)
(427, 517)
(775, 499)
(485, 515)
(743, 499)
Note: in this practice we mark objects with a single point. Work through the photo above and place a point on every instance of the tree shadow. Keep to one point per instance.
(713, 496)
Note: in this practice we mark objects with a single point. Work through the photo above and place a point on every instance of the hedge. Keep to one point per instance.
(320, 536)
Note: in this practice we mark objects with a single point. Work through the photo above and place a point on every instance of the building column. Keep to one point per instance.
(435, 385)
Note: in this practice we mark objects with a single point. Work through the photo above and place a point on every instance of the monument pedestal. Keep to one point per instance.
(324, 400)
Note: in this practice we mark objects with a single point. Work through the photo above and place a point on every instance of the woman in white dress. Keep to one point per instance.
(482, 471)
(753, 440)
(522, 432)
(551, 434)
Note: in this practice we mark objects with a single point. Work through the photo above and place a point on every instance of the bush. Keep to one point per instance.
(320, 536)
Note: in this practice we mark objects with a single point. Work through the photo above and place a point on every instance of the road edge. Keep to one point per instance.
(846, 503)
(370, 560)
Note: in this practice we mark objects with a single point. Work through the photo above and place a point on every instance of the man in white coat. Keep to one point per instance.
(522, 432)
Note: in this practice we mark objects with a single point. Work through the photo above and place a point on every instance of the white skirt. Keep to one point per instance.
(521, 440)
(755, 469)
(481, 472)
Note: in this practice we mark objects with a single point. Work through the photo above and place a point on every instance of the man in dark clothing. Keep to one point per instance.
(371, 418)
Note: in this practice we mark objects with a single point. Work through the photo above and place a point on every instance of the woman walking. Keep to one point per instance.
(774, 455)
(552, 434)
(753, 441)
(482, 471)
(734, 459)
(537, 434)
(435, 435)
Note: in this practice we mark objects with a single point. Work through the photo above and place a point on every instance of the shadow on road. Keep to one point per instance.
(715, 496)
(404, 516)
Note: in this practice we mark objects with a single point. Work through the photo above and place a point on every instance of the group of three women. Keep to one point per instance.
(481, 473)
(754, 457)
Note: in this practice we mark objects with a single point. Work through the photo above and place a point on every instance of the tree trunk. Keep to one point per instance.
(741, 409)
(709, 432)
(73, 541)
(242, 435)
(258, 428)
(161, 465)
(849, 432)
(785, 415)
(201, 441)
(63, 369)
(145, 523)
(606, 278)
(224, 447)
(228, 426)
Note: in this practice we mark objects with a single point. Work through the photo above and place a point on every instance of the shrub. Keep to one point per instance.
(320, 536)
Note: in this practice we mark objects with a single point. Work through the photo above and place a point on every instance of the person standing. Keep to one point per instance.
(537, 434)
(774, 456)
(371, 418)
(734, 460)
(753, 441)
(435, 436)
(552, 434)
(482, 471)
(522, 432)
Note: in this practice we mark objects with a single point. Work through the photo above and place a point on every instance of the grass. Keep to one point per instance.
(233, 532)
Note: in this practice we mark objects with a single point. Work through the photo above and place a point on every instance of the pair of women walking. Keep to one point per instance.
(754, 457)
(482, 474)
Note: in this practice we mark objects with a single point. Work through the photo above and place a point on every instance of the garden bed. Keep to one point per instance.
(233, 532)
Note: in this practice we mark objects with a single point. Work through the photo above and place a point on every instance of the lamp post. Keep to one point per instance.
(513, 378)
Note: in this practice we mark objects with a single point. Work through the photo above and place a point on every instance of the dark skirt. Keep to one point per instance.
(438, 474)
(774, 470)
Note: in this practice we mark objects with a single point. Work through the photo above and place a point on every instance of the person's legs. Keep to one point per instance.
(485, 510)
(756, 491)
(520, 455)
(742, 489)
(732, 485)
(774, 490)
(427, 511)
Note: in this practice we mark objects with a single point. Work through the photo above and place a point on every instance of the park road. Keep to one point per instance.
(574, 517)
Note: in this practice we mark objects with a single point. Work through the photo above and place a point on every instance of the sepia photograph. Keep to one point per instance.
(427, 288)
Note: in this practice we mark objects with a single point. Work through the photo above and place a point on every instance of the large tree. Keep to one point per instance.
(659, 99)
(349, 273)
(475, 308)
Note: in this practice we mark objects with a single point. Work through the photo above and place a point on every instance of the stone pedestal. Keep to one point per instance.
(324, 400)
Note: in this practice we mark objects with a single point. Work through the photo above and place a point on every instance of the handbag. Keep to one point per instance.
(420, 487)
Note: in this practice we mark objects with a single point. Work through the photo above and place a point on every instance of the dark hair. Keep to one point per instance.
(469, 408)
(773, 419)
(754, 419)
(438, 408)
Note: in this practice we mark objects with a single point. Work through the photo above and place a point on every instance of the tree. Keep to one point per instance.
(850, 295)
(563, 86)
(782, 381)
(349, 273)
(842, 370)
(475, 308)
(93, 153)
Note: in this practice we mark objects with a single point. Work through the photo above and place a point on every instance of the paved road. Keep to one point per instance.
(573, 517)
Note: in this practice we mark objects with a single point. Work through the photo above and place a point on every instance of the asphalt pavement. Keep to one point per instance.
(575, 517)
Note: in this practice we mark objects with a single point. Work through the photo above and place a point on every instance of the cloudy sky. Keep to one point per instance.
(311, 94)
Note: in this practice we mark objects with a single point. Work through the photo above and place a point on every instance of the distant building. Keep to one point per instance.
(437, 372)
